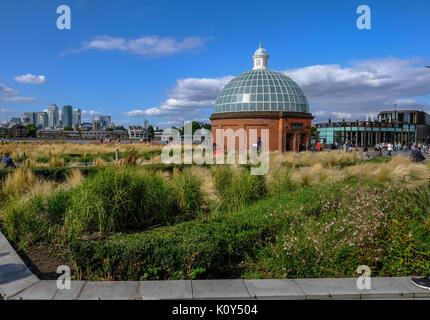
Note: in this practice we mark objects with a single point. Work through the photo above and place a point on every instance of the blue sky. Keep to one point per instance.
(166, 61)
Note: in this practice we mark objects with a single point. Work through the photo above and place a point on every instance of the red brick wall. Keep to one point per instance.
(277, 131)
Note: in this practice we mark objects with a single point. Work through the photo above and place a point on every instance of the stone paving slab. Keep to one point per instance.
(43, 290)
(220, 289)
(417, 291)
(165, 290)
(15, 276)
(335, 288)
(275, 290)
(69, 294)
(109, 290)
(387, 288)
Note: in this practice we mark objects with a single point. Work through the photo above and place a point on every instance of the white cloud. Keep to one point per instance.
(11, 95)
(149, 46)
(87, 115)
(187, 98)
(29, 78)
(341, 115)
(334, 91)
(6, 90)
(6, 114)
(17, 99)
(366, 86)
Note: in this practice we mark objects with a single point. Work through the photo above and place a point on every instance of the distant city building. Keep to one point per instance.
(96, 125)
(15, 120)
(76, 117)
(400, 126)
(81, 135)
(52, 116)
(146, 124)
(42, 120)
(87, 126)
(105, 120)
(31, 116)
(67, 116)
(18, 131)
(157, 134)
(137, 133)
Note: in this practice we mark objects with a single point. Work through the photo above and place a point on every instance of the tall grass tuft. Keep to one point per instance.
(18, 182)
(119, 200)
(75, 178)
(236, 187)
(398, 171)
(188, 192)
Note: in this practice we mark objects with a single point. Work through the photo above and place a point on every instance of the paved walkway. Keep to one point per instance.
(17, 282)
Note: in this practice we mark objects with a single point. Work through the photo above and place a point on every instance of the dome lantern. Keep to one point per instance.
(260, 58)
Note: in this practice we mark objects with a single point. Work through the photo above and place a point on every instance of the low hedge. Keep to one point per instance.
(57, 174)
(203, 248)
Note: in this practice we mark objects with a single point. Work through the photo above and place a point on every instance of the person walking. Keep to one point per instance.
(259, 144)
(389, 149)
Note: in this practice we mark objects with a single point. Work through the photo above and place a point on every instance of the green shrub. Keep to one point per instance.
(35, 219)
(24, 221)
(188, 193)
(280, 181)
(119, 200)
(330, 230)
(203, 248)
(42, 159)
(236, 187)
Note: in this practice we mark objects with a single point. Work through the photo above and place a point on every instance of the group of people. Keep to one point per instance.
(418, 150)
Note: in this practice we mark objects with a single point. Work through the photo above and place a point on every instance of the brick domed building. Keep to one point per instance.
(265, 99)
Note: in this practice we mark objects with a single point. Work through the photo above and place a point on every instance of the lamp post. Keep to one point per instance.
(395, 122)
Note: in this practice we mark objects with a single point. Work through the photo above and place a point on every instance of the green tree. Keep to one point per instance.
(313, 131)
(31, 130)
(121, 128)
(67, 128)
(150, 133)
(109, 129)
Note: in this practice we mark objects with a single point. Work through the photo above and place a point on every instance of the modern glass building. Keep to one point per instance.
(76, 117)
(31, 117)
(399, 126)
(265, 99)
(67, 116)
(105, 120)
(52, 116)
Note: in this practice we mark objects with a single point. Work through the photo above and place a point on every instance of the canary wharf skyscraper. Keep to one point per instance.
(52, 116)
(67, 116)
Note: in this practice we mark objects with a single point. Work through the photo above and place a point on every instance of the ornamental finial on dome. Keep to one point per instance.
(260, 58)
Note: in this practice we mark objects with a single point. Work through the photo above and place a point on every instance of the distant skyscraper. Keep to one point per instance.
(67, 116)
(105, 120)
(52, 116)
(42, 120)
(77, 117)
(145, 124)
(31, 116)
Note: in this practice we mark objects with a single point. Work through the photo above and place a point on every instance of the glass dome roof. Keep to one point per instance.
(261, 90)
